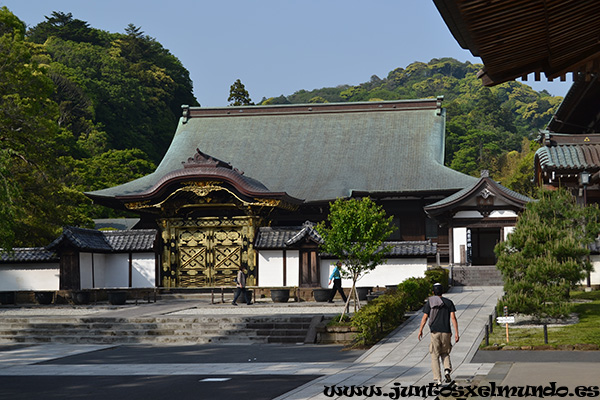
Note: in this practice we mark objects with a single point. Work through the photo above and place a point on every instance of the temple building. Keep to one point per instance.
(245, 185)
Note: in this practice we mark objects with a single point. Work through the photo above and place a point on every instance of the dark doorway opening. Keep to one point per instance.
(483, 241)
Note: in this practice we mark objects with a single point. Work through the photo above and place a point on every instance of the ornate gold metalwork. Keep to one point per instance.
(207, 251)
(137, 205)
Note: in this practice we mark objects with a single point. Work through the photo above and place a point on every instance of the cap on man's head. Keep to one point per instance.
(438, 289)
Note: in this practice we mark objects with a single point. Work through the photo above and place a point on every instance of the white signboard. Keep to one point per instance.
(505, 320)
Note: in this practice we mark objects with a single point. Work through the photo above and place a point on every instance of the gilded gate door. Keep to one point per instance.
(207, 252)
(193, 246)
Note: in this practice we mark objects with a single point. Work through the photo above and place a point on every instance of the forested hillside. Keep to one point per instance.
(486, 128)
(83, 109)
(80, 109)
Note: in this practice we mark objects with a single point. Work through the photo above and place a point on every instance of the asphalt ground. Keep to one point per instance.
(213, 354)
(180, 387)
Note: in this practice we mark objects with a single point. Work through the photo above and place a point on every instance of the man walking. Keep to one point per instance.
(336, 277)
(241, 287)
(440, 311)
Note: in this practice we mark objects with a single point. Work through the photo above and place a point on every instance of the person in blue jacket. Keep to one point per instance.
(337, 282)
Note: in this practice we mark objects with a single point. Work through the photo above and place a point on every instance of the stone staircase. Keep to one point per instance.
(476, 275)
(156, 330)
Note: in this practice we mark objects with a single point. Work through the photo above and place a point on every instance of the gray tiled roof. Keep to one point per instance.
(133, 240)
(412, 248)
(569, 156)
(308, 230)
(275, 237)
(280, 237)
(28, 254)
(106, 241)
(317, 152)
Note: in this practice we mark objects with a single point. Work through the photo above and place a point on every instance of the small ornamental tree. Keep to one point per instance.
(354, 232)
(546, 254)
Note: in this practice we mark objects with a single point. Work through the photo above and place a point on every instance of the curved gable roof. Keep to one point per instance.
(485, 186)
(316, 152)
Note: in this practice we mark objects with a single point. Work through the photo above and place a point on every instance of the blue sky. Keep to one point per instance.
(276, 46)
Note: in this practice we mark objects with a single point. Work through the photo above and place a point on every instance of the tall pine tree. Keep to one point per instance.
(546, 255)
(238, 95)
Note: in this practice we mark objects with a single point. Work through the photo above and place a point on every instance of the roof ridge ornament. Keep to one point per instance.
(203, 160)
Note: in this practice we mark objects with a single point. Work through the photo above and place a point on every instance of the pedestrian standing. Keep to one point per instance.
(336, 277)
(440, 311)
(241, 287)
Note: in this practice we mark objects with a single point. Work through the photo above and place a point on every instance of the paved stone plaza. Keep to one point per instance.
(272, 371)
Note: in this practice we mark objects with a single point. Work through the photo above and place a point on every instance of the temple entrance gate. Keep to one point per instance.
(204, 252)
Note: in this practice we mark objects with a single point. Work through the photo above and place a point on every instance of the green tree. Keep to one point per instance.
(545, 255)
(238, 95)
(66, 27)
(517, 169)
(354, 232)
(34, 202)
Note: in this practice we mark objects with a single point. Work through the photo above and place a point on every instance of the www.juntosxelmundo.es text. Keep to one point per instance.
(398, 391)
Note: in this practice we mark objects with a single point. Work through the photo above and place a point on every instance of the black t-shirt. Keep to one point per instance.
(442, 320)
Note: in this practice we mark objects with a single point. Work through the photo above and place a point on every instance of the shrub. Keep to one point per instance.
(340, 320)
(378, 317)
(416, 291)
(438, 274)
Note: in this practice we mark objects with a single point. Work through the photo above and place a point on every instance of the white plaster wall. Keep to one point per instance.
(595, 275)
(99, 270)
(468, 214)
(394, 271)
(503, 214)
(270, 268)
(459, 237)
(293, 267)
(143, 274)
(44, 276)
(493, 214)
(85, 270)
(116, 270)
(507, 231)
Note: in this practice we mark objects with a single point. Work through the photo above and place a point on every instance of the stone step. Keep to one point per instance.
(487, 275)
(67, 339)
(213, 329)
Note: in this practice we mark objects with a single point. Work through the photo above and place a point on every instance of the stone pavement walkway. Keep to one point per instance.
(400, 358)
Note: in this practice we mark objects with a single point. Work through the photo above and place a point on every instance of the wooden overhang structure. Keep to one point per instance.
(515, 38)
(570, 152)
(295, 160)
(562, 160)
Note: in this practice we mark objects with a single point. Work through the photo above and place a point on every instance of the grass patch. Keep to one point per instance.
(586, 331)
